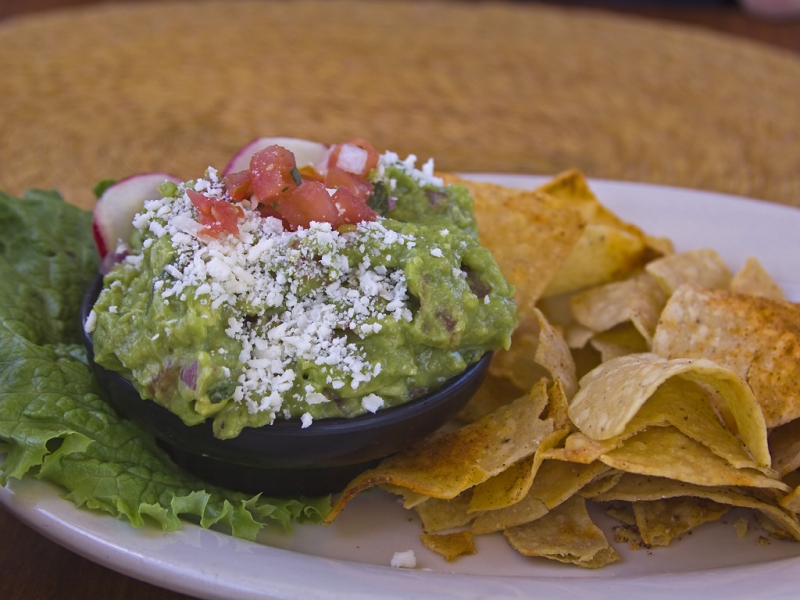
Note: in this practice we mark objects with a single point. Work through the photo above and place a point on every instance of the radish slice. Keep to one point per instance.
(112, 219)
(305, 153)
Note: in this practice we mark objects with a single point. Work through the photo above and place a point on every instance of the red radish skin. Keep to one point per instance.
(112, 219)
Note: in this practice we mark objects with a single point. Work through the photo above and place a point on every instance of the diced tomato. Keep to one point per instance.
(227, 215)
(309, 202)
(239, 185)
(360, 187)
(271, 173)
(202, 204)
(217, 216)
(345, 156)
(269, 210)
(351, 209)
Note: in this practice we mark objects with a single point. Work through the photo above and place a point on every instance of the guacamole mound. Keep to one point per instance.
(272, 324)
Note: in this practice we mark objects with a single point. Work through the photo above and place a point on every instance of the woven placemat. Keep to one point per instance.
(118, 89)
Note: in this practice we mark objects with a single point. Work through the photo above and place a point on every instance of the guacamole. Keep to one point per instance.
(268, 323)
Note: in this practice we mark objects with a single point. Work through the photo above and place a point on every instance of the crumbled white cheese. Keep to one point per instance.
(91, 322)
(305, 420)
(404, 560)
(437, 252)
(306, 274)
(423, 177)
(372, 402)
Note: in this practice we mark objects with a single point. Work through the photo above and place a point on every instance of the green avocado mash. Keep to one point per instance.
(310, 324)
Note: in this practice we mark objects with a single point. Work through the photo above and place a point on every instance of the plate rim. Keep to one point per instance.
(403, 583)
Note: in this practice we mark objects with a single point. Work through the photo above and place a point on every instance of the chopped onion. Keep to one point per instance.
(352, 159)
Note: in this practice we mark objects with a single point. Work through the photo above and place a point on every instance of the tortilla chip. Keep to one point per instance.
(775, 530)
(493, 393)
(537, 349)
(753, 280)
(559, 481)
(443, 466)
(740, 527)
(757, 338)
(623, 514)
(637, 487)
(620, 341)
(544, 231)
(609, 249)
(507, 487)
(580, 448)
(666, 452)
(612, 394)
(555, 482)
(659, 246)
(440, 515)
(450, 545)
(601, 255)
(557, 407)
(661, 521)
(410, 499)
(678, 402)
(572, 188)
(792, 501)
(577, 336)
(566, 534)
(638, 300)
(784, 446)
(684, 405)
(601, 484)
(702, 267)
(510, 486)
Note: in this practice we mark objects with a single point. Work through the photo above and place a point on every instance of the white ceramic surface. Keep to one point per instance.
(350, 559)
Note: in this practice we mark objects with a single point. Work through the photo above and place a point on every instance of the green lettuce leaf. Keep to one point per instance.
(55, 423)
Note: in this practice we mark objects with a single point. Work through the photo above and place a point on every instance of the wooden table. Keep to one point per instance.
(720, 16)
(34, 567)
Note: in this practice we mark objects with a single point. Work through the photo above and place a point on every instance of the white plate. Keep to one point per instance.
(350, 559)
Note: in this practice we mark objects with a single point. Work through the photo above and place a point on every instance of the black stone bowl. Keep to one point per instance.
(283, 459)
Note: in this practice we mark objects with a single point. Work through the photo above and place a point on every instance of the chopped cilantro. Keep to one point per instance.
(298, 179)
(221, 391)
(379, 200)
